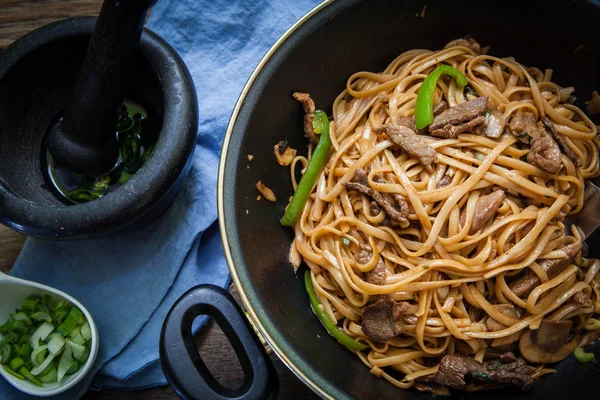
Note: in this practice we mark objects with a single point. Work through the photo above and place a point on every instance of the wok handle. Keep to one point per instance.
(182, 365)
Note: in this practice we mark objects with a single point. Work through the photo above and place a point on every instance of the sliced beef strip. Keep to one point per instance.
(377, 275)
(561, 141)
(440, 107)
(451, 131)
(401, 202)
(545, 154)
(525, 284)
(309, 116)
(523, 126)
(361, 176)
(486, 208)
(381, 320)
(412, 143)
(375, 210)
(495, 124)
(407, 122)
(363, 256)
(398, 213)
(445, 181)
(455, 368)
(459, 114)
(364, 246)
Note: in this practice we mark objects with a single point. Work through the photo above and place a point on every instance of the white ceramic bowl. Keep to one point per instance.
(13, 291)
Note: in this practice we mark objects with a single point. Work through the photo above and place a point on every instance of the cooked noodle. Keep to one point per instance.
(453, 281)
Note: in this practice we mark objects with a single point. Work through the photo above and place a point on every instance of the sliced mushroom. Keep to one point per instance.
(265, 191)
(493, 326)
(550, 343)
(284, 153)
(593, 105)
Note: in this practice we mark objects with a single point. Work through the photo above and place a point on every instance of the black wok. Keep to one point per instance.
(317, 55)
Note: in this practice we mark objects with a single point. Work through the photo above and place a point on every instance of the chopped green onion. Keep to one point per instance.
(25, 339)
(76, 336)
(70, 322)
(315, 165)
(7, 326)
(582, 356)
(40, 368)
(74, 368)
(16, 363)
(55, 343)
(424, 104)
(6, 353)
(29, 303)
(56, 303)
(345, 241)
(23, 371)
(86, 332)
(10, 337)
(21, 316)
(66, 362)
(61, 313)
(331, 327)
(48, 369)
(41, 333)
(50, 377)
(35, 340)
(20, 328)
(26, 350)
(77, 349)
(41, 316)
(42, 308)
(39, 354)
(85, 355)
(13, 373)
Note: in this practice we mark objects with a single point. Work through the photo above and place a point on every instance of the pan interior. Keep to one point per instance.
(317, 57)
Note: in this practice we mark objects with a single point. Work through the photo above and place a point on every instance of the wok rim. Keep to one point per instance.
(251, 313)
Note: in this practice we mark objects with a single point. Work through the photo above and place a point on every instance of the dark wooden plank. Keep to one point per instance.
(11, 243)
(18, 17)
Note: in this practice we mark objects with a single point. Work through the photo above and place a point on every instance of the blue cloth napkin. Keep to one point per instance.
(129, 281)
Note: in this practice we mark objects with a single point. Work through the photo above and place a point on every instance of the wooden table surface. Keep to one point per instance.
(18, 17)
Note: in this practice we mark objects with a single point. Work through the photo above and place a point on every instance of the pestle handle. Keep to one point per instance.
(84, 140)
